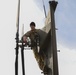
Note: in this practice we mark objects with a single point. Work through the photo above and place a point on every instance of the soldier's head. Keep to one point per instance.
(32, 25)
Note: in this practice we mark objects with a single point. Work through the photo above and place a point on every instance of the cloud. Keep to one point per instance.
(66, 60)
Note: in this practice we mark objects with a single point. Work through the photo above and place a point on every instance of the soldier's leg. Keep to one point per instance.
(39, 59)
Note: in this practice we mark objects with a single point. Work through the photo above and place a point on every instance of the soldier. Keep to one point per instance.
(33, 34)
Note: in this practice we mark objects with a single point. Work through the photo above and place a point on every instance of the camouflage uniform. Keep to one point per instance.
(39, 57)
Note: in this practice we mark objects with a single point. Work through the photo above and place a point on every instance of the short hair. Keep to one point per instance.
(32, 24)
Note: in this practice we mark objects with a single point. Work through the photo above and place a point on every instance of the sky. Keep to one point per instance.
(32, 10)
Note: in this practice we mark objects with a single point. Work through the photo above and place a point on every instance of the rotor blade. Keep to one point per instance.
(40, 4)
(44, 8)
(18, 13)
(17, 40)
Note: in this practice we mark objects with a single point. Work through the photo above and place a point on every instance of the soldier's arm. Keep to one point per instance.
(24, 37)
(27, 34)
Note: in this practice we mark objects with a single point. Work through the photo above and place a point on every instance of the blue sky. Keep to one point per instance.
(65, 22)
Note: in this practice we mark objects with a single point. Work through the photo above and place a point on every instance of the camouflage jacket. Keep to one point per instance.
(37, 32)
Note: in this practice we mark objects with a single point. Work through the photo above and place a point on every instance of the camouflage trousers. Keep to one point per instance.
(39, 58)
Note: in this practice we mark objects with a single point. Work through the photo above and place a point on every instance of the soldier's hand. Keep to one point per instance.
(25, 39)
